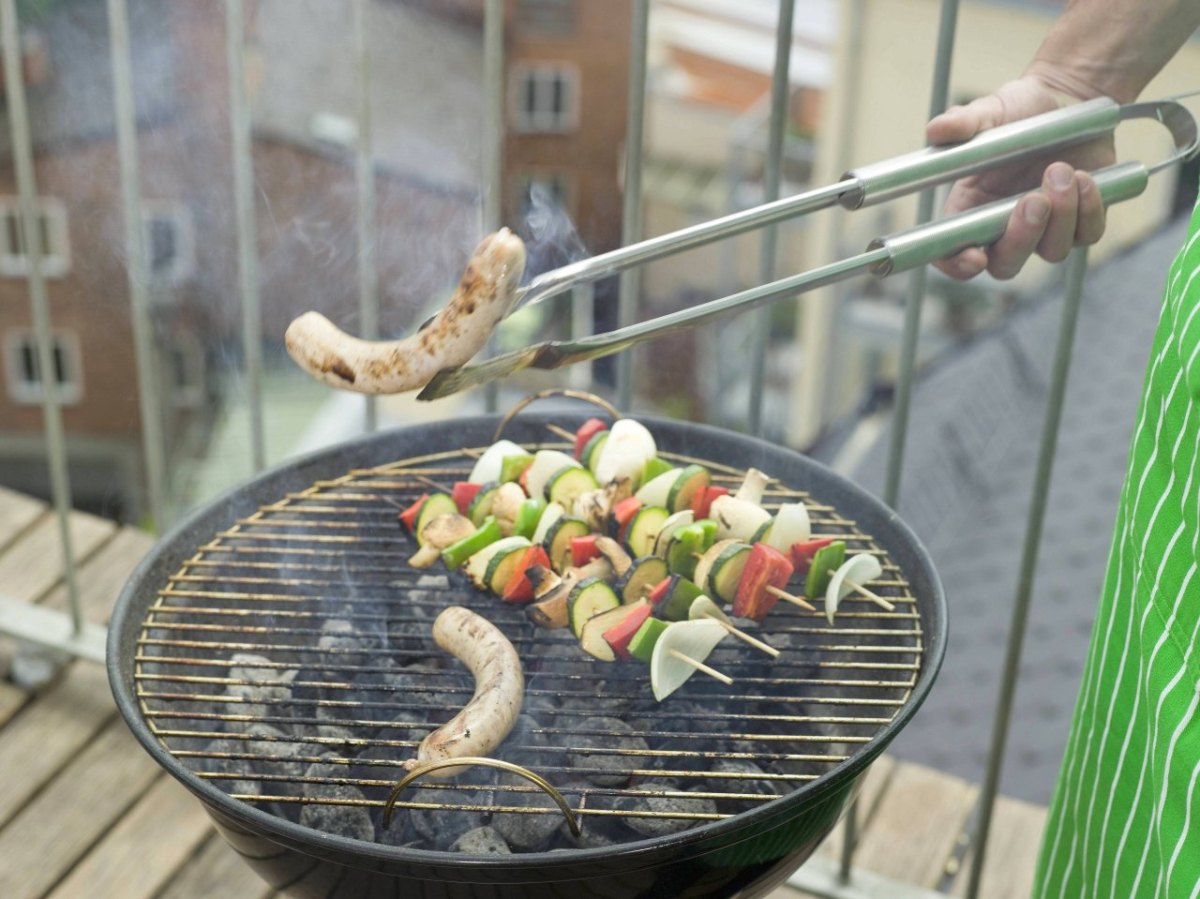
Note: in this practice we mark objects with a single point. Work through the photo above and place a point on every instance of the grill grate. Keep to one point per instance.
(289, 662)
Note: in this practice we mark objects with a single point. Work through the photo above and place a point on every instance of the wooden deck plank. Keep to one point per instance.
(17, 512)
(104, 574)
(873, 788)
(916, 826)
(32, 565)
(139, 855)
(216, 870)
(42, 740)
(11, 699)
(1012, 853)
(50, 834)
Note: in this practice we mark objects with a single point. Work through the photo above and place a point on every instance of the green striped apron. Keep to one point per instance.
(1125, 817)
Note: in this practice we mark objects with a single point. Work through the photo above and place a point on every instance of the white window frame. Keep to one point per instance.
(56, 262)
(183, 266)
(28, 392)
(544, 120)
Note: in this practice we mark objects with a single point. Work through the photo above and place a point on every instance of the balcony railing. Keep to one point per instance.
(71, 634)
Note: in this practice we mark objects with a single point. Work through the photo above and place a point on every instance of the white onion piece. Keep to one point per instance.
(791, 526)
(656, 490)
(694, 639)
(859, 569)
(704, 608)
(626, 451)
(487, 466)
(552, 513)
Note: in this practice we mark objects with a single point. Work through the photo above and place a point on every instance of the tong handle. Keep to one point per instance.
(901, 175)
(984, 225)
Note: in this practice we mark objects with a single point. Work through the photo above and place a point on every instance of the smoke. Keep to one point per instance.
(550, 237)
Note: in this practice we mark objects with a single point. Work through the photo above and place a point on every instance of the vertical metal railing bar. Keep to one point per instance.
(583, 305)
(493, 144)
(22, 145)
(368, 276)
(772, 175)
(247, 234)
(1076, 275)
(918, 281)
(630, 284)
(149, 402)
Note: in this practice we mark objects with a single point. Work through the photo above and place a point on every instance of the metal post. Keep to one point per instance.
(631, 210)
(247, 234)
(493, 141)
(30, 233)
(768, 249)
(368, 276)
(149, 408)
(1076, 273)
(947, 27)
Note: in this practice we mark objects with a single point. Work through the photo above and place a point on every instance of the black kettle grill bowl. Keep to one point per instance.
(746, 854)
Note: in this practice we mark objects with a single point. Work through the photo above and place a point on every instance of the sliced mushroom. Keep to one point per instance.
(615, 553)
(753, 485)
(439, 533)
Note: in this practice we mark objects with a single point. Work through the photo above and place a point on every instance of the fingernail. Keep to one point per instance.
(1060, 177)
(1037, 208)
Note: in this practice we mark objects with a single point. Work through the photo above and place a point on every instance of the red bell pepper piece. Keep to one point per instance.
(409, 516)
(659, 592)
(462, 493)
(802, 553)
(586, 432)
(703, 500)
(619, 635)
(623, 513)
(583, 550)
(519, 588)
(766, 567)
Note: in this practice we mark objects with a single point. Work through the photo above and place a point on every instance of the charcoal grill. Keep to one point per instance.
(732, 787)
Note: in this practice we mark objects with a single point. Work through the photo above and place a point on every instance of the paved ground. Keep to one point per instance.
(975, 429)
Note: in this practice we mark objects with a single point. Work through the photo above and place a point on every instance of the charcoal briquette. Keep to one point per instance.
(353, 821)
(481, 841)
(661, 815)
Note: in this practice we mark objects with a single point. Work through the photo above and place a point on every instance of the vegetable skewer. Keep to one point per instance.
(703, 607)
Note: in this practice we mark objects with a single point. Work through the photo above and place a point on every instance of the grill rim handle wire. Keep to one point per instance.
(467, 760)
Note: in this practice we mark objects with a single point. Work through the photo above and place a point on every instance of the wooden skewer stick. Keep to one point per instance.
(560, 432)
(793, 599)
(472, 453)
(742, 635)
(430, 482)
(871, 595)
(700, 666)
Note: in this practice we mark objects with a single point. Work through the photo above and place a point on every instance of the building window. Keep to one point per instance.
(24, 375)
(545, 97)
(168, 241)
(546, 17)
(51, 234)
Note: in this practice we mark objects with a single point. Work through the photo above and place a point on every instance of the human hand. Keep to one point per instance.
(1066, 211)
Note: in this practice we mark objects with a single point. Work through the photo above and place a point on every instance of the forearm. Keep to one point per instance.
(1113, 47)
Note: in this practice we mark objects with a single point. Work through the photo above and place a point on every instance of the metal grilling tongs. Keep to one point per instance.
(861, 187)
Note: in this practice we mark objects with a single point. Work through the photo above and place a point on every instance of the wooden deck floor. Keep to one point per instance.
(84, 811)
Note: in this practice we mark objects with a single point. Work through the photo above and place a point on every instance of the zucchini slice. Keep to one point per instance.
(690, 481)
(644, 528)
(552, 513)
(643, 574)
(591, 451)
(558, 541)
(568, 484)
(435, 505)
(700, 577)
(727, 571)
(590, 597)
(546, 464)
(503, 564)
(481, 506)
(591, 635)
(479, 565)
